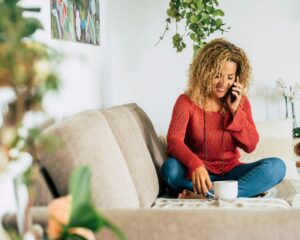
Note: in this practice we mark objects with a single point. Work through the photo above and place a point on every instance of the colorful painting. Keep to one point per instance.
(76, 20)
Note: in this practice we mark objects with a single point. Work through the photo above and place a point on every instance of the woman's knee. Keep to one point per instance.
(172, 171)
(277, 167)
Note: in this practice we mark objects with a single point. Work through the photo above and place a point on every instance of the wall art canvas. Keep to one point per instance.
(76, 20)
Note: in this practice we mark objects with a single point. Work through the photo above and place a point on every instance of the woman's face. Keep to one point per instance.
(224, 80)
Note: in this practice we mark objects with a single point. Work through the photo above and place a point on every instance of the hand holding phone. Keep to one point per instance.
(231, 95)
(234, 96)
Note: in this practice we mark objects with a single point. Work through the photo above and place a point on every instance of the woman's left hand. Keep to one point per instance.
(237, 90)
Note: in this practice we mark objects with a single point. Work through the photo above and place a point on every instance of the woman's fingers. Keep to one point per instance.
(209, 183)
(203, 185)
(194, 184)
(198, 185)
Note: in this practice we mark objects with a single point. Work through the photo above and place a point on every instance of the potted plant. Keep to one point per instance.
(26, 69)
(200, 19)
(27, 72)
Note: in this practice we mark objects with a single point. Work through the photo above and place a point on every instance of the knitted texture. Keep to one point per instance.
(186, 136)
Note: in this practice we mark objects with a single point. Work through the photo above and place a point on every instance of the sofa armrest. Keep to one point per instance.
(39, 216)
(225, 224)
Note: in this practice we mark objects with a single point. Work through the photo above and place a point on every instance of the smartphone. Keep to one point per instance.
(232, 96)
(229, 92)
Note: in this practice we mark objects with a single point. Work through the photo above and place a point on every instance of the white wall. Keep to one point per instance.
(127, 67)
(153, 76)
(79, 70)
(269, 31)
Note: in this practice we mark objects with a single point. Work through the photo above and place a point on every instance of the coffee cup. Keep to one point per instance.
(226, 190)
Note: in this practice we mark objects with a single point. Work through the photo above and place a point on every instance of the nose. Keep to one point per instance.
(224, 80)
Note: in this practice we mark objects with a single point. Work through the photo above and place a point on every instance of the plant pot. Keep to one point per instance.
(16, 191)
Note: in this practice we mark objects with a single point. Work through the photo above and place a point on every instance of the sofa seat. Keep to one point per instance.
(285, 195)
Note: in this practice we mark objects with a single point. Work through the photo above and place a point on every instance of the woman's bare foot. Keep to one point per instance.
(188, 194)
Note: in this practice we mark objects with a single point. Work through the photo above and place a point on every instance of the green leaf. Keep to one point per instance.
(200, 5)
(193, 6)
(216, 2)
(219, 22)
(31, 9)
(194, 19)
(52, 83)
(2, 37)
(218, 12)
(170, 13)
(176, 37)
(86, 216)
(210, 9)
(193, 36)
(31, 25)
(79, 186)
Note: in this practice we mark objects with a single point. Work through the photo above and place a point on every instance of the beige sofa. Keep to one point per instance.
(125, 155)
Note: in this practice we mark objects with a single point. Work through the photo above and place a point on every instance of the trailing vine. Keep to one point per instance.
(201, 18)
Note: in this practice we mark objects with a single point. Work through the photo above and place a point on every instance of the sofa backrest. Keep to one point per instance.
(155, 146)
(121, 148)
(275, 140)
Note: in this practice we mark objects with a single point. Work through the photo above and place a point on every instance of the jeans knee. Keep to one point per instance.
(171, 171)
(279, 168)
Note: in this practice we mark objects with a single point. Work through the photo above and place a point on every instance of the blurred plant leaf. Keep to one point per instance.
(52, 83)
(83, 213)
(31, 9)
(30, 27)
(79, 186)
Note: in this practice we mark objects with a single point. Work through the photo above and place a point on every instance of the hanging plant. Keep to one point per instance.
(201, 18)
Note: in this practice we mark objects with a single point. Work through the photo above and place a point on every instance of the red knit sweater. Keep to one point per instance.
(186, 136)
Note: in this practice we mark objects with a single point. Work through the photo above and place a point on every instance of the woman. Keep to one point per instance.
(210, 121)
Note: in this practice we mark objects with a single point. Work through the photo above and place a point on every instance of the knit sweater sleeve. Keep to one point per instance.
(176, 135)
(242, 127)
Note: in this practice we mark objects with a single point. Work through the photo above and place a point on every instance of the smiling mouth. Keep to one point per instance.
(219, 89)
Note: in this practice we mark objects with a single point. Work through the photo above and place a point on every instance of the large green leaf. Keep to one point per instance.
(86, 216)
(30, 26)
(79, 186)
(83, 213)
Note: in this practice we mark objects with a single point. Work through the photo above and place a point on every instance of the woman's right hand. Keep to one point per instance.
(201, 180)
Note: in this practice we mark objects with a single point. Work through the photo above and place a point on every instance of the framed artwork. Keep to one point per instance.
(76, 20)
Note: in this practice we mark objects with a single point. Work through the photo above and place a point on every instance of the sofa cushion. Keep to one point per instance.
(275, 140)
(274, 147)
(87, 139)
(131, 142)
(155, 147)
(281, 128)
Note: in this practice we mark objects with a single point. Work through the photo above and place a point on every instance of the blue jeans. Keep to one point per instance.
(253, 178)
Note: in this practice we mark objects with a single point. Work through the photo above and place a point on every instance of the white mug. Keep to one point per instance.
(226, 190)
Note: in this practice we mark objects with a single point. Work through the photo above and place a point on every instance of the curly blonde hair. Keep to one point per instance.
(207, 63)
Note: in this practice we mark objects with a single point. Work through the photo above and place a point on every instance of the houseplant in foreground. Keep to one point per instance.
(27, 70)
(74, 216)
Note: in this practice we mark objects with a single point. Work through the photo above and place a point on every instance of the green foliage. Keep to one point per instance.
(13, 25)
(296, 132)
(26, 66)
(83, 213)
(201, 19)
